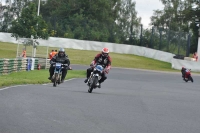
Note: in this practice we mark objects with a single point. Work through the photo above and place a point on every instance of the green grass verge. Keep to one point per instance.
(83, 57)
(34, 77)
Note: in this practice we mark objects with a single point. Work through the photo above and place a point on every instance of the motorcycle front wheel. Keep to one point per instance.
(191, 79)
(93, 84)
(55, 80)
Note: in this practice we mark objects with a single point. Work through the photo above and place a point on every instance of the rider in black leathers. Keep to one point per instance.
(62, 58)
(103, 59)
(183, 71)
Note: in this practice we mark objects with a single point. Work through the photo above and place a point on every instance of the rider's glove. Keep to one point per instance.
(66, 65)
(92, 64)
(51, 62)
(106, 70)
(70, 68)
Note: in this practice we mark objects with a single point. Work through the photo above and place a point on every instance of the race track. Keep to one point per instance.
(130, 101)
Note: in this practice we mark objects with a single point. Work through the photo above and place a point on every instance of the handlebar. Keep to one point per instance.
(62, 65)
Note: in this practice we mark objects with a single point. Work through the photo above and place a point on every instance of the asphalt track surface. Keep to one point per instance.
(130, 101)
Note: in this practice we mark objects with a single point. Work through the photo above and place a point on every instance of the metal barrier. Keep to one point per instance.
(44, 63)
(12, 65)
(21, 64)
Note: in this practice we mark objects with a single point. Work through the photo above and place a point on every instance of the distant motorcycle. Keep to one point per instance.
(56, 78)
(94, 78)
(188, 76)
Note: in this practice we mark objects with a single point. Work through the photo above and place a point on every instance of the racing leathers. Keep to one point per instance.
(183, 71)
(99, 59)
(59, 59)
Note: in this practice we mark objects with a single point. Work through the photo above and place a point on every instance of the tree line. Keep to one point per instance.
(113, 21)
(179, 16)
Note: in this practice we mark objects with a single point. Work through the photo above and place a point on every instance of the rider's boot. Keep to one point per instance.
(50, 75)
(62, 79)
(50, 78)
(99, 86)
(101, 81)
(86, 80)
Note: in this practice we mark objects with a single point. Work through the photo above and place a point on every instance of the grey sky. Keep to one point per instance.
(145, 9)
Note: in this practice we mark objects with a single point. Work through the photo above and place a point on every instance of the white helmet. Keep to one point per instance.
(105, 52)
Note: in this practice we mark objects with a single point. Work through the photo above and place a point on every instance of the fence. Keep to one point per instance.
(12, 65)
(30, 50)
(22, 64)
(159, 38)
(165, 40)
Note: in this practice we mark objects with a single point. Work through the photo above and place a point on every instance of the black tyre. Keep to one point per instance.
(55, 80)
(186, 80)
(191, 79)
(90, 89)
(93, 84)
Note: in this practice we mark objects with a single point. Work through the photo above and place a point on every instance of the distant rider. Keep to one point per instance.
(183, 71)
(103, 59)
(51, 54)
(62, 58)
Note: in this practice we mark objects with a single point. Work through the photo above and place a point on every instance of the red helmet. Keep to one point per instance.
(105, 52)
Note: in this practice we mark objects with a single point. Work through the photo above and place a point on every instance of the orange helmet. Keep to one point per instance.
(105, 52)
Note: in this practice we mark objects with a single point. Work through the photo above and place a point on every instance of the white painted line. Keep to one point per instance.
(70, 79)
(13, 87)
(64, 81)
(29, 84)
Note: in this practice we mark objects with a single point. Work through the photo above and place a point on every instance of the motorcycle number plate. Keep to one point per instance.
(58, 64)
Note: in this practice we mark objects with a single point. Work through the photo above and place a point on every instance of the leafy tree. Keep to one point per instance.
(128, 22)
(12, 11)
(178, 16)
(29, 25)
(99, 20)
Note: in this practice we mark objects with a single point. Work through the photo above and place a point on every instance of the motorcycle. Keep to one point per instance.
(188, 76)
(94, 78)
(56, 78)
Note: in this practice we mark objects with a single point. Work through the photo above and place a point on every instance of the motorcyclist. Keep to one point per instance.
(62, 58)
(183, 71)
(103, 59)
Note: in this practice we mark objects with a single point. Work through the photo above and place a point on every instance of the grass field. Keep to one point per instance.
(34, 77)
(84, 57)
(8, 50)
